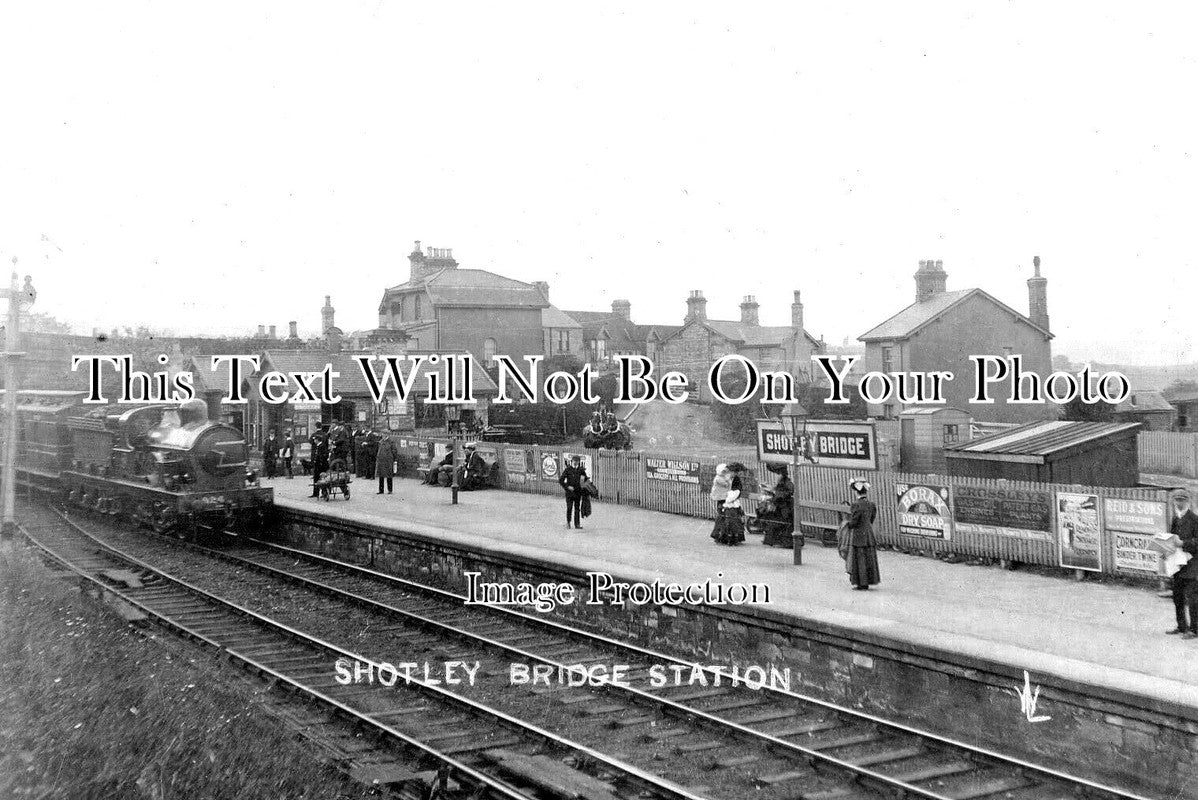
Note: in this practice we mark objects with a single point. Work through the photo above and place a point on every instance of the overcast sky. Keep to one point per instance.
(210, 167)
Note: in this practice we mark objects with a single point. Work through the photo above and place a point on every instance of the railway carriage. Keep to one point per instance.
(164, 465)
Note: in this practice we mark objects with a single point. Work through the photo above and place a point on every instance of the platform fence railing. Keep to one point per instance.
(1015, 521)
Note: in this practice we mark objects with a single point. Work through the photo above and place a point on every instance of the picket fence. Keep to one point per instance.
(1168, 453)
(623, 477)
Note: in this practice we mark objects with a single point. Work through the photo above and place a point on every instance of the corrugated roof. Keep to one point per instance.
(1043, 438)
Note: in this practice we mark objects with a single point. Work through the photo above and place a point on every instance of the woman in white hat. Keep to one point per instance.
(719, 493)
(861, 562)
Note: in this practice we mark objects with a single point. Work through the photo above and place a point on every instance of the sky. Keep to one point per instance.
(207, 168)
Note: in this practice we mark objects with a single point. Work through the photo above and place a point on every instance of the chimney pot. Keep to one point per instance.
(292, 330)
(262, 330)
(273, 335)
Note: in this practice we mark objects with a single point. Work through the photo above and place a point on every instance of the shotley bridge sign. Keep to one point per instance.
(852, 445)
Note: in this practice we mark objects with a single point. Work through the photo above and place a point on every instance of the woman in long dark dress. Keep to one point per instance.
(861, 561)
(733, 530)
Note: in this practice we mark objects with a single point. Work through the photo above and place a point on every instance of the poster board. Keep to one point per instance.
(924, 510)
(1131, 525)
(1079, 531)
(671, 470)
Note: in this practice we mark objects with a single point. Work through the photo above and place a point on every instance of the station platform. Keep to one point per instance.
(1103, 635)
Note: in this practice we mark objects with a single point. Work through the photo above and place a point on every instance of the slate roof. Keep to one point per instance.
(1041, 439)
(352, 382)
(622, 334)
(474, 287)
(1142, 401)
(748, 335)
(917, 315)
(554, 317)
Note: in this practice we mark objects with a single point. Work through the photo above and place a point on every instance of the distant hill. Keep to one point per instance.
(1144, 377)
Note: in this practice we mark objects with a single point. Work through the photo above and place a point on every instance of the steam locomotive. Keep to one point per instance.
(163, 465)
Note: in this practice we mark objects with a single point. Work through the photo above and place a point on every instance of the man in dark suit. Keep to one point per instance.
(270, 455)
(1185, 580)
(571, 480)
(320, 457)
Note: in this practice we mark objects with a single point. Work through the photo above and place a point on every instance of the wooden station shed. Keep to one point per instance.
(925, 432)
(1086, 453)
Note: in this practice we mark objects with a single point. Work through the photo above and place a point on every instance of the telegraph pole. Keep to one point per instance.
(19, 299)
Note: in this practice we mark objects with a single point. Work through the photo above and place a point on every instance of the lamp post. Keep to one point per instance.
(19, 299)
(794, 419)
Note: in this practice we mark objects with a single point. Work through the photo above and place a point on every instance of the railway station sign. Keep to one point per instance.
(849, 445)
(671, 470)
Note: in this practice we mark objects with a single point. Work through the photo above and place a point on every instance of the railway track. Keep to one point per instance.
(415, 735)
(779, 743)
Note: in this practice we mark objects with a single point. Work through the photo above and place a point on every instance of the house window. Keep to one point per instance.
(563, 341)
(417, 314)
(887, 359)
(951, 434)
(397, 311)
(1007, 351)
(489, 347)
(600, 350)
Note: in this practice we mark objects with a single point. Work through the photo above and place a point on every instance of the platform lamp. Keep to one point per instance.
(794, 423)
(19, 299)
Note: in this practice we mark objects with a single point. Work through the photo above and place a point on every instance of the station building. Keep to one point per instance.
(942, 329)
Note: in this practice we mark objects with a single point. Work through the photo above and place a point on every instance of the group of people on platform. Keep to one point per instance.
(367, 453)
(472, 473)
(855, 539)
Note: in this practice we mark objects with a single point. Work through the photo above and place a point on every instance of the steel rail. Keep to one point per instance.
(651, 781)
(479, 779)
(570, 632)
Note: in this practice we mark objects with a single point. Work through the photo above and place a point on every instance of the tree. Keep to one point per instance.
(1077, 411)
(1180, 387)
(738, 422)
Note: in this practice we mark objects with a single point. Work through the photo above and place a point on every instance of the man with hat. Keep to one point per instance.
(473, 468)
(571, 480)
(1185, 580)
(861, 560)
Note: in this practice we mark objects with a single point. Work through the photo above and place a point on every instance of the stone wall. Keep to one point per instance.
(1134, 742)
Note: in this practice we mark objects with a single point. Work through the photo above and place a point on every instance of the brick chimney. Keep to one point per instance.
(696, 306)
(543, 288)
(796, 314)
(273, 334)
(622, 309)
(292, 330)
(1037, 297)
(261, 331)
(433, 260)
(326, 316)
(930, 280)
(748, 310)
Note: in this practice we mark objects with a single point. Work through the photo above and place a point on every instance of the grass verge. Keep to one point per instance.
(89, 709)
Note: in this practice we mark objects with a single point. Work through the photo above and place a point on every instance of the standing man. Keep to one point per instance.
(320, 458)
(287, 453)
(1185, 580)
(270, 455)
(384, 461)
(571, 480)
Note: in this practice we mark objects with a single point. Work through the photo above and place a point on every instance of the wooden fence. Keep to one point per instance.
(1169, 453)
(973, 517)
